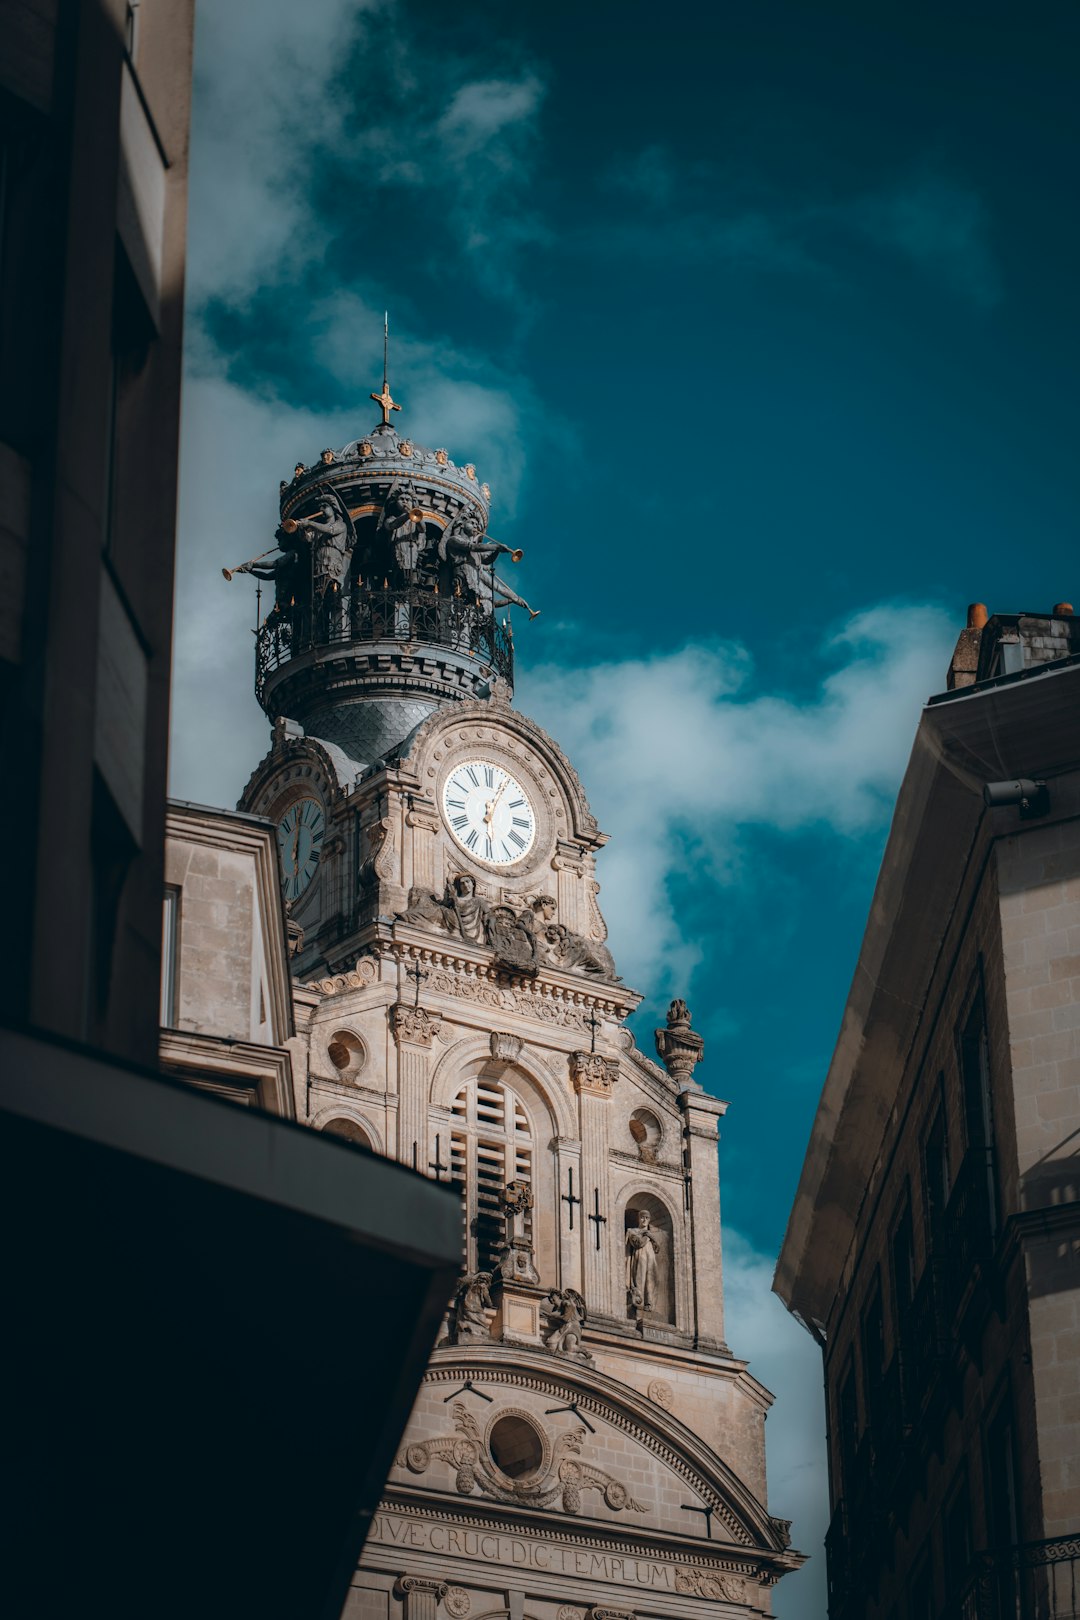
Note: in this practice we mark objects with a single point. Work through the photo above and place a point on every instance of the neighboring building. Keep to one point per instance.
(183, 1280)
(585, 1440)
(934, 1245)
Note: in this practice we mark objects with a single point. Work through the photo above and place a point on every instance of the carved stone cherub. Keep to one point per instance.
(565, 1313)
(472, 1298)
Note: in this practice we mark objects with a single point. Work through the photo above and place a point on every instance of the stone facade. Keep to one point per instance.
(933, 1243)
(585, 1442)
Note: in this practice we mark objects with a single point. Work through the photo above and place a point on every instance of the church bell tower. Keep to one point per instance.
(586, 1445)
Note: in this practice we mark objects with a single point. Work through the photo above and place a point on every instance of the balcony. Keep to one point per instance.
(413, 618)
(1039, 1580)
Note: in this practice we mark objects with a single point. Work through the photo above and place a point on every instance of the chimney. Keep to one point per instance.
(965, 660)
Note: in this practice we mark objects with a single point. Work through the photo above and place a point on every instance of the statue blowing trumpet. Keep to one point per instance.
(242, 567)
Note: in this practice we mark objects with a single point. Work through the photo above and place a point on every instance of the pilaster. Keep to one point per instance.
(701, 1115)
(420, 1596)
(414, 1030)
(593, 1077)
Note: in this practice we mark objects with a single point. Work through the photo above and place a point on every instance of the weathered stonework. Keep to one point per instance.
(584, 1441)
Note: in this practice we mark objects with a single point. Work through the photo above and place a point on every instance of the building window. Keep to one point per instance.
(974, 1052)
(957, 1540)
(873, 1356)
(903, 1272)
(170, 948)
(516, 1447)
(936, 1181)
(490, 1145)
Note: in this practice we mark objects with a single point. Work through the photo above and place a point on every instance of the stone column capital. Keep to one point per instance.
(414, 1025)
(407, 1585)
(593, 1073)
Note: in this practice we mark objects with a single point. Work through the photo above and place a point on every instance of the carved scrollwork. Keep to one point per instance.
(563, 1481)
(710, 1584)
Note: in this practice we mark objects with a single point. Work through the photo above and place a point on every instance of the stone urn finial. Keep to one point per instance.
(679, 1046)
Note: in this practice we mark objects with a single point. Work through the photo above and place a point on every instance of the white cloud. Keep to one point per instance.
(682, 752)
(264, 104)
(786, 1360)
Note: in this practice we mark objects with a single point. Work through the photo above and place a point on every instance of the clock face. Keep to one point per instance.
(488, 812)
(300, 837)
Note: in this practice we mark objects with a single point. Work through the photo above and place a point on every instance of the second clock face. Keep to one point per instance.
(300, 837)
(488, 812)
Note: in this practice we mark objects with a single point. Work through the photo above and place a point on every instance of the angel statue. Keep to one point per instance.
(474, 557)
(565, 1311)
(402, 521)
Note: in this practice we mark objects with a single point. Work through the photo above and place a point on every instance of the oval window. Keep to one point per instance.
(516, 1448)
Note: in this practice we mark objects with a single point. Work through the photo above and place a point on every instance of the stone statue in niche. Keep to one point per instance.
(565, 1313)
(473, 560)
(402, 521)
(468, 1308)
(641, 1265)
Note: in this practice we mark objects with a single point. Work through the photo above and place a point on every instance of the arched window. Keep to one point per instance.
(490, 1145)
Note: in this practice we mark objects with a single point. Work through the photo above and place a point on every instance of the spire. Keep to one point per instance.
(384, 399)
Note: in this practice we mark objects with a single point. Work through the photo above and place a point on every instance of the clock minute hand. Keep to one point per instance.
(491, 807)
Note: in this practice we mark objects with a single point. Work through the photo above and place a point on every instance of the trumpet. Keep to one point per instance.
(517, 554)
(229, 572)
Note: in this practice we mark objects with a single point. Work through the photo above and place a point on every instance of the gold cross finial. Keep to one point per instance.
(387, 404)
(384, 398)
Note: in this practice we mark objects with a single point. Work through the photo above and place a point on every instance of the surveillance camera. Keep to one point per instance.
(1030, 798)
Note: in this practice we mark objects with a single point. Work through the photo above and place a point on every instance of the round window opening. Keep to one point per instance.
(516, 1447)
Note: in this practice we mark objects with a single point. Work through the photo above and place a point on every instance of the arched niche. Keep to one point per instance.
(649, 1246)
(349, 1125)
(347, 1054)
(349, 1129)
(646, 1133)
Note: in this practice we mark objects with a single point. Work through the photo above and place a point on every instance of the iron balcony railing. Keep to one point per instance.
(415, 617)
(1039, 1580)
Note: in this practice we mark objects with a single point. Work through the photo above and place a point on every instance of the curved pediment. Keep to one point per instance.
(601, 1450)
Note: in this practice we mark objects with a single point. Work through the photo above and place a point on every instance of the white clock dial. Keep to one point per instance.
(300, 837)
(488, 811)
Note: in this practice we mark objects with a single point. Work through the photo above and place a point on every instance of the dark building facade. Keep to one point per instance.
(173, 1263)
(934, 1245)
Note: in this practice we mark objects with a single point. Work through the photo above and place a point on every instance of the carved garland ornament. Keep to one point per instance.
(618, 1420)
(563, 1481)
(709, 1584)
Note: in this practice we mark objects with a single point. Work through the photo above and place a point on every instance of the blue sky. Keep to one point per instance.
(760, 320)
